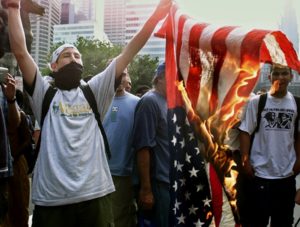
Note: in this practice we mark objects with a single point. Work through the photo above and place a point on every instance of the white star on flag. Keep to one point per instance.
(187, 121)
(193, 172)
(179, 167)
(188, 158)
(199, 187)
(178, 129)
(198, 223)
(177, 204)
(193, 209)
(174, 119)
(182, 143)
(181, 219)
(197, 150)
(174, 141)
(206, 202)
(175, 163)
(182, 182)
(191, 135)
(175, 186)
(187, 196)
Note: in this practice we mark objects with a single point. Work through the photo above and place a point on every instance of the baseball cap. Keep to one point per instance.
(59, 50)
(160, 69)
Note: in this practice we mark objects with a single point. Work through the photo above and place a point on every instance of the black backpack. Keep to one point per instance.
(88, 94)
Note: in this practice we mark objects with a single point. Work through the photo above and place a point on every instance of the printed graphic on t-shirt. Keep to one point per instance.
(113, 115)
(75, 110)
(278, 119)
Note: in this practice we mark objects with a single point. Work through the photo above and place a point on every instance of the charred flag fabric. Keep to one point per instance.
(210, 73)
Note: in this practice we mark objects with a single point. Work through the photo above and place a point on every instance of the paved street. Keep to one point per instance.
(296, 213)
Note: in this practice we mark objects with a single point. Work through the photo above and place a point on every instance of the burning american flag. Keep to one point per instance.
(210, 73)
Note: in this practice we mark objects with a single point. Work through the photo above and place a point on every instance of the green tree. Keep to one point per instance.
(95, 55)
(141, 70)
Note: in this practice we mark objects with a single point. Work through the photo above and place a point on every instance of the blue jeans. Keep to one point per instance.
(161, 193)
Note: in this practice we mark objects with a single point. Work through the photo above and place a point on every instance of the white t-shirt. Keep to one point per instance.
(72, 165)
(273, 154)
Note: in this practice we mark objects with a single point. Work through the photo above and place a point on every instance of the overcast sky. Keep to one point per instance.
(264, 14)
(251, 13)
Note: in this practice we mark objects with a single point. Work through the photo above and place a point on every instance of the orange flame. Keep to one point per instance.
(215, 129)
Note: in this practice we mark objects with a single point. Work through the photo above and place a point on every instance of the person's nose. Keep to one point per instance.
(73, 58)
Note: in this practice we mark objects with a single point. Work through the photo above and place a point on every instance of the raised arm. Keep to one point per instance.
(139, 40)
(18, 43)
(9, 90)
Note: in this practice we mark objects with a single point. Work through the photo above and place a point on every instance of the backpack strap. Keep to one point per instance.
(88, 94)
(297, 100)
(261, 105)
(45, 107)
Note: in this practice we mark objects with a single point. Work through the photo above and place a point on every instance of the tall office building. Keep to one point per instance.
(42, 29)
(114, 20)
(124, 18)
(67, 12)
(87, 8)
(136, 14)
(88, 22)
(69, 33)
(289, 24)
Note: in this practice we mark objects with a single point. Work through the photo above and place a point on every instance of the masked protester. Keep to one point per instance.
(71, 178)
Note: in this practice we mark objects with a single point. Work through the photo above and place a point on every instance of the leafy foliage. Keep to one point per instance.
(141, 70)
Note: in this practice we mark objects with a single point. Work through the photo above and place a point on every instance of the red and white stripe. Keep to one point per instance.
(237, 51)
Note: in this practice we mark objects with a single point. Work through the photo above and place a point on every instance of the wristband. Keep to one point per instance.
(14, 5)
(11, 101)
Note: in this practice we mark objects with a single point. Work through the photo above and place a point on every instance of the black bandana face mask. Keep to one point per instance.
(69, 76)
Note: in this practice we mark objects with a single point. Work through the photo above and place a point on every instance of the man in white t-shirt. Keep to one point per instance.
(72, 181)
(273, 159)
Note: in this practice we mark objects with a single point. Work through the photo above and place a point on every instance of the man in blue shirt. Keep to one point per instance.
(152, 147)
(118, 125)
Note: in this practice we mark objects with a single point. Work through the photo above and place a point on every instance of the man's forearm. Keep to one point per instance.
(143, 163)
(18, 46)
(16, 32)
(245, 143)
(14, 116)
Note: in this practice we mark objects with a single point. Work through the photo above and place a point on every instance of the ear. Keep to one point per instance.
(53, 66)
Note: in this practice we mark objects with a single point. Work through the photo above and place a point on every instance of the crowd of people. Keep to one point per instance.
(103, 153)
